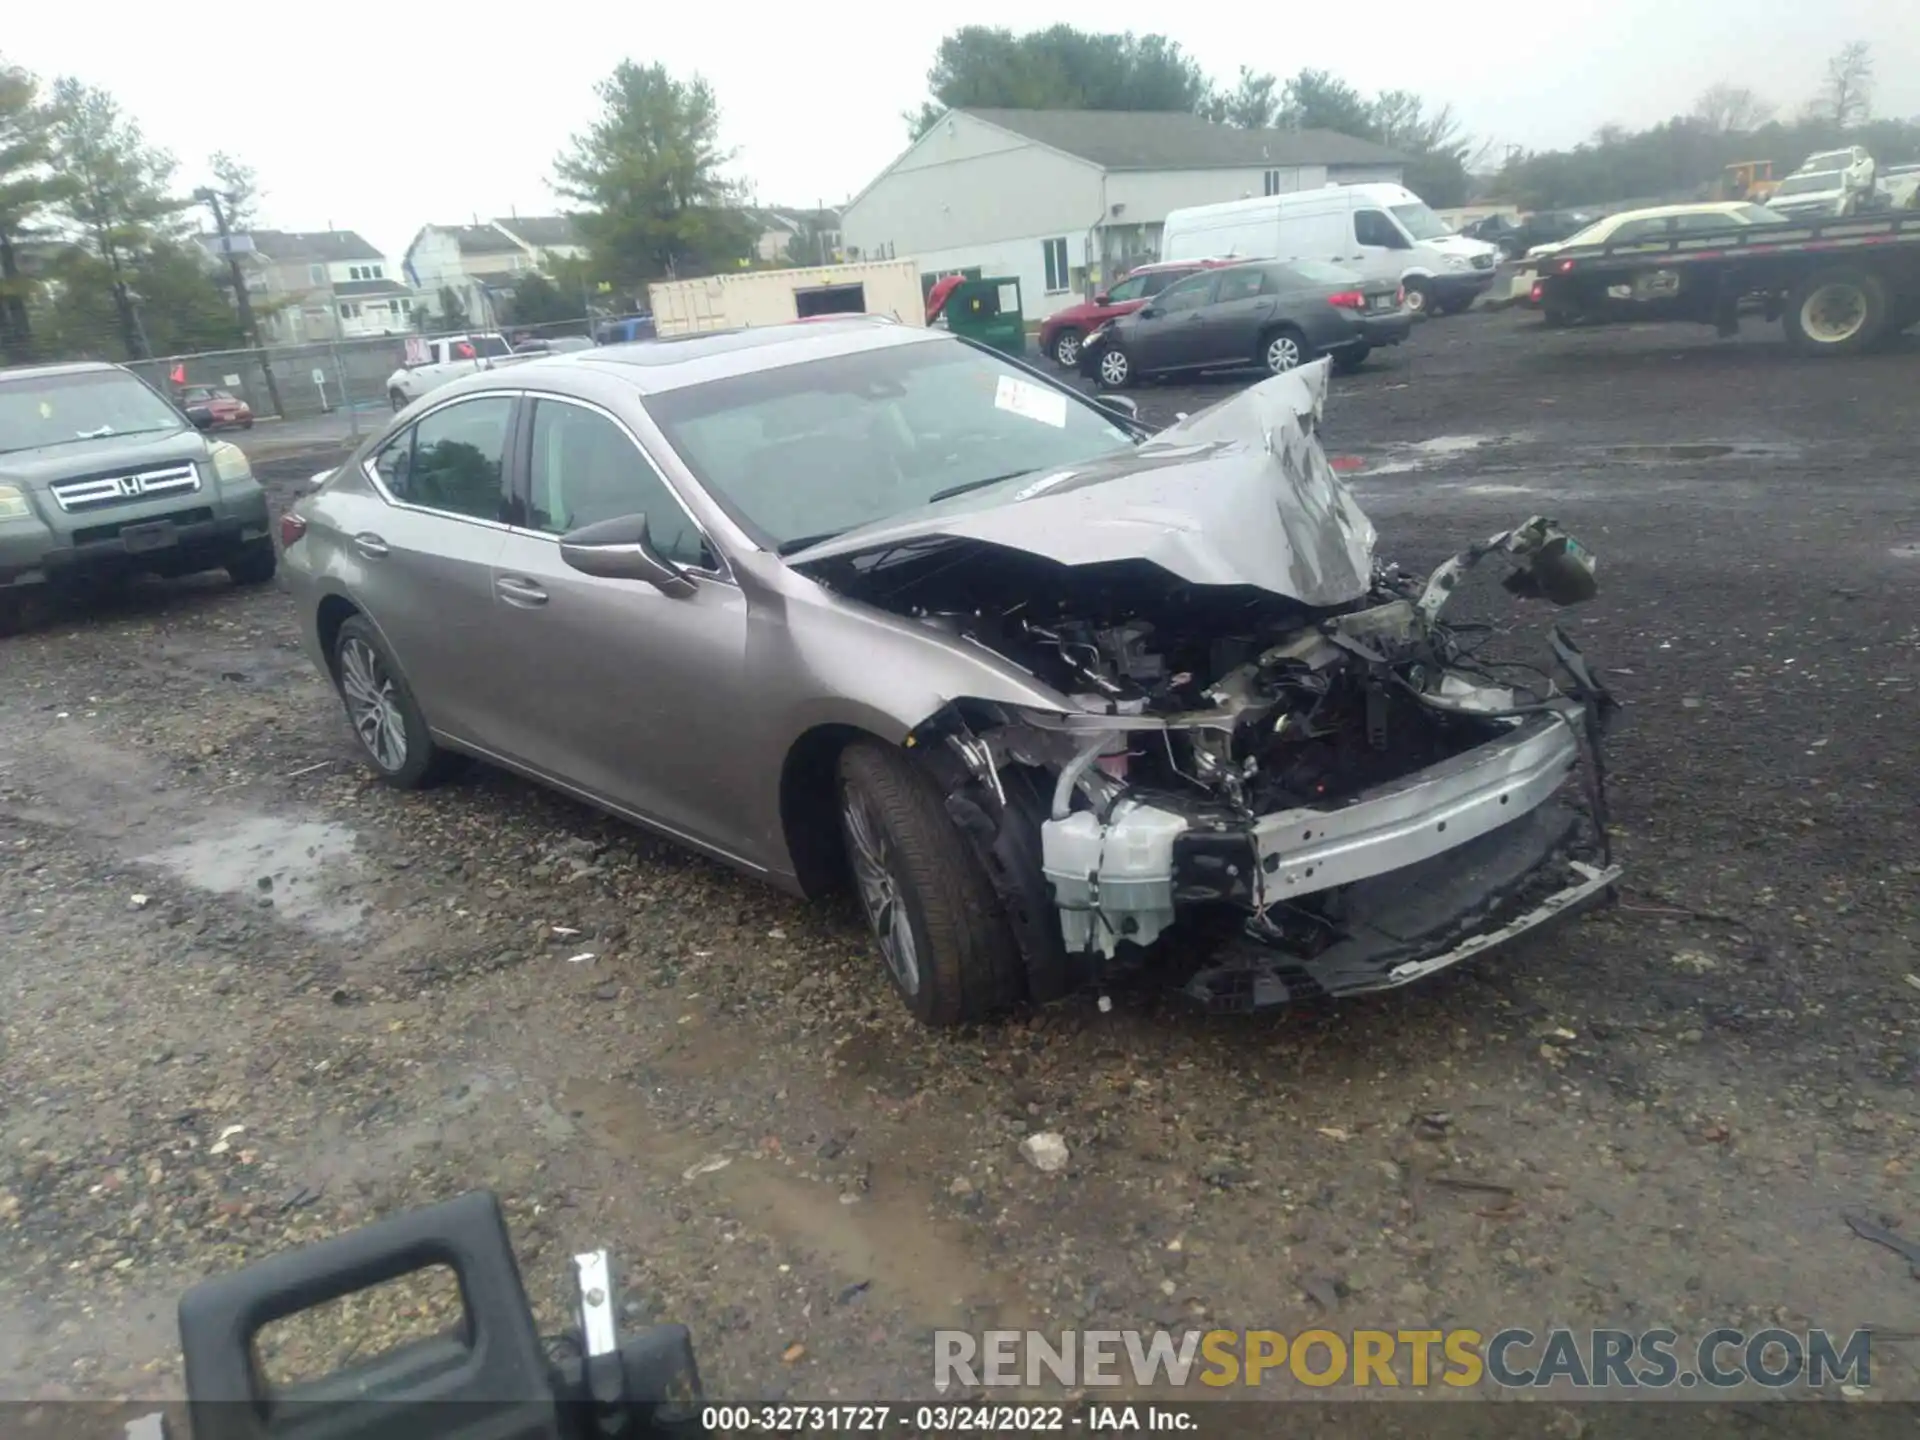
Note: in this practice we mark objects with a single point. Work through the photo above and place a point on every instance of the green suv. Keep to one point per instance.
(100, 476)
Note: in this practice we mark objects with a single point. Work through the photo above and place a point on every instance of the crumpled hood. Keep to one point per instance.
(1239, 494)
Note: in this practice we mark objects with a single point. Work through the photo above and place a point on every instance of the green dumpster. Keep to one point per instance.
(988, 311)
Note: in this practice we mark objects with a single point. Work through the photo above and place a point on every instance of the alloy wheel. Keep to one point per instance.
(880, 891)
(1283, 354)
(373, 704)
(1067, 350)
(1114, 367)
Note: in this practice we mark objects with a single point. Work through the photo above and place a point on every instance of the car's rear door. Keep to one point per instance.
(421, 555)
(631, 696)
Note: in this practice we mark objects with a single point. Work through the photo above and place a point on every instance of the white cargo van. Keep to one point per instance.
(1383, 232)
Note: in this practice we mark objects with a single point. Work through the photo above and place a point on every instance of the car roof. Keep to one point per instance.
(1661, 212)
(22, 373)
(674, 362)
(1155, 266)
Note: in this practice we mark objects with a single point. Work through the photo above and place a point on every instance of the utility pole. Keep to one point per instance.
(249, 327)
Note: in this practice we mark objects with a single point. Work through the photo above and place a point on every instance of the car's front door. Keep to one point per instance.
(1379, 247)
(633, 696)
(424, 558)
(1230, 327)
(1166, 335)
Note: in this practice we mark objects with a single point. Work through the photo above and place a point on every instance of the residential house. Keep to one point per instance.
(478, 264)
(817, 231)
(1068, 199)
(318, 285)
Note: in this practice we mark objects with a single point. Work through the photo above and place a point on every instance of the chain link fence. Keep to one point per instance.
(345, 378)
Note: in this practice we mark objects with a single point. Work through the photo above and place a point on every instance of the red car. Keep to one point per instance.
(222, 406)
(1062, 333)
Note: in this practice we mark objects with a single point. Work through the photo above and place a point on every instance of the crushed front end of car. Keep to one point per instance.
(1275, 764)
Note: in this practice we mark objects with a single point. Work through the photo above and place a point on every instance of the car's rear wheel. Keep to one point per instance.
(1283, 350)
(386, 719)
(253, 563)
(1116, 368)
(934, 915)
(1348, 361)
(1419, 298)
(1066, 349)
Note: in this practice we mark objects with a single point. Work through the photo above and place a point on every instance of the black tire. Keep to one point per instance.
(397, 400)
(421, 763)
(24, 608)
(1066, 349)
(1283, 348)
(1348, 361)
(1841, 310)
(964, 963)
(1419, 298)
(1556, 319)
(1126, 373)
(253, 563)
(247, 424)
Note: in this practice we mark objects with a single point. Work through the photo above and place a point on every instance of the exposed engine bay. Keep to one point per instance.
(1266, 739)
(1229, 748)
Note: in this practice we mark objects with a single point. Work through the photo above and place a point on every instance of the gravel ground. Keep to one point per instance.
(216, 920)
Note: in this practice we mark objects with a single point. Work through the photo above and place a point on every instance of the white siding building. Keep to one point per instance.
(1065, 199)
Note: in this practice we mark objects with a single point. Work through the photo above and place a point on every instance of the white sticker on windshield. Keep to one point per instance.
(1035, 402)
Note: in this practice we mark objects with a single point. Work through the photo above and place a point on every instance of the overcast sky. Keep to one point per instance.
(382, 119)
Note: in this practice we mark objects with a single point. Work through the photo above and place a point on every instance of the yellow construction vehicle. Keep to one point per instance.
(1749, 180)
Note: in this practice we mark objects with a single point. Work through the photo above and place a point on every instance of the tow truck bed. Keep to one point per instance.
(1837, 286)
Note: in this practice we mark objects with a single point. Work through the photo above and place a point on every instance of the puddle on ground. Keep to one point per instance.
(297, 864)
(1702, 450)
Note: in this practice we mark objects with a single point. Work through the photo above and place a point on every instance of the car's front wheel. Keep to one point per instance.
(1066, 349)
(397, 400)
(1115, 367)
(935, 918)
(386, 719)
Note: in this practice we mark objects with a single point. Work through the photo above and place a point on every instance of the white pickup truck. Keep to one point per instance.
(432, 363)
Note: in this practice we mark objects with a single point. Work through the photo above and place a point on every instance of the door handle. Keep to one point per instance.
(516, 591)
(370, 545)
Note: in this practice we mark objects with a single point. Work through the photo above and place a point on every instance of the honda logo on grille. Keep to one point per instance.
(130, 485)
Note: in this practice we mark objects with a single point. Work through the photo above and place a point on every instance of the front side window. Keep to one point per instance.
(1636, 232)
(1134, 287)
(803, 452)
(1372, 227)
(451, 460)
(585, 469)
(1239, 285)
(1189, 294)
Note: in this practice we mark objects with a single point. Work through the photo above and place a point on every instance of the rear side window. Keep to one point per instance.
(452, 460)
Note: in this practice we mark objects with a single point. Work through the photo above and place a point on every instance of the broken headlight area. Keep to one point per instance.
(1310, 801)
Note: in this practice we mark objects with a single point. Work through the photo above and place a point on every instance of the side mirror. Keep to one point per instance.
(621, 549)
(1122, 404)
(1103, 298)
(1148, 312)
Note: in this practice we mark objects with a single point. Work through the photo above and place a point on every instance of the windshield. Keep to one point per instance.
(1420, 222)
(1809, 184)
(801, 453)
(1592, 235)
(1829, 160)
(1759, 215)
(91, 405)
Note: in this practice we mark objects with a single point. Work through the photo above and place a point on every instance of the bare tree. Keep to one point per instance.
(1731, 109)
(1847, 98)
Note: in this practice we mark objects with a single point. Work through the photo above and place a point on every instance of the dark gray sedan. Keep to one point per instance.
(1265, 313)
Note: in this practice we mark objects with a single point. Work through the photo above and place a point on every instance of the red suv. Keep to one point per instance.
(1062, 334)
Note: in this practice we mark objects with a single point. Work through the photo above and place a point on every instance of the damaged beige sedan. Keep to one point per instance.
(1061, 699)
